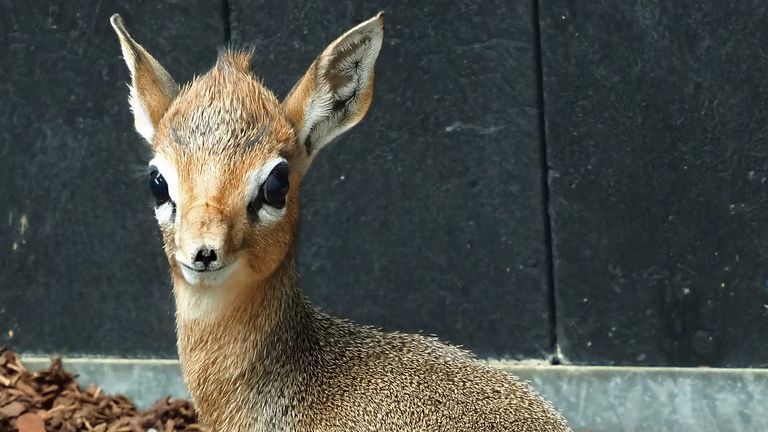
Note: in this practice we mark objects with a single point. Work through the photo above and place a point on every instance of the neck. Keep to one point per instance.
(244, 356)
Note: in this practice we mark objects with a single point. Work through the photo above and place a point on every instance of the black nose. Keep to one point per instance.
(204, 257)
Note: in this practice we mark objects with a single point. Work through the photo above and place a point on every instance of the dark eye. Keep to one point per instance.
(275, 187)
(159, 187)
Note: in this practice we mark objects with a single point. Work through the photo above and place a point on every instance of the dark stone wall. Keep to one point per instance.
(583, 180)
(656, 139)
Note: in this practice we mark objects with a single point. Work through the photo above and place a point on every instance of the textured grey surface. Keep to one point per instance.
(655, 128)
(82, 269)
(428, 215)
(626, 399)
(145, 381)
(593, 399)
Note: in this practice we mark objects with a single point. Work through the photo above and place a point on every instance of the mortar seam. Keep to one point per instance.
(545, 208)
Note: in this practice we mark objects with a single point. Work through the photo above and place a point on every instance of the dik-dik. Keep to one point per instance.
(228, 161)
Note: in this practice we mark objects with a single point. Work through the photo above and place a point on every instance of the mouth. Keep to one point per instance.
(206, 277)
(210, 271)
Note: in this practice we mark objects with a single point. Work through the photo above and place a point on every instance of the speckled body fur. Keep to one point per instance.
(313, 372)
(255, 354)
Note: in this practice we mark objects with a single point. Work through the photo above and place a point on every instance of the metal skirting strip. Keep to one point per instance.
(594, 399)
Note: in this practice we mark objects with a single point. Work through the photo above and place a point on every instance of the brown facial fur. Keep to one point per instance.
(220, 128)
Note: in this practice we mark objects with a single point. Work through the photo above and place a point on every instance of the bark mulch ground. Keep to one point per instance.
(50, 400)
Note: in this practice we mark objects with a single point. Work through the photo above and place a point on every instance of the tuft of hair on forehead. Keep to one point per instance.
(227, 109)
(238, 58)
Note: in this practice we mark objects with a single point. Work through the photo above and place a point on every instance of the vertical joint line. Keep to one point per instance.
(225, 13)
(551, 300)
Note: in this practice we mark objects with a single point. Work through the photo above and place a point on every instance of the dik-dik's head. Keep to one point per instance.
(228, 157)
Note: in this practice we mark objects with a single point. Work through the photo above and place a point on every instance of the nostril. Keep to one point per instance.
(205, 256)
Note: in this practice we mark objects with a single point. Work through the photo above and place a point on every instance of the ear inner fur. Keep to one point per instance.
(326, 101)
(152, 88)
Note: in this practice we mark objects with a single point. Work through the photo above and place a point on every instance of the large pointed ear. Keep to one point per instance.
(336, 91)
(152, 88)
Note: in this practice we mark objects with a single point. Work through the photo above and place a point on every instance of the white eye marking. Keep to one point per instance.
(257, 177)
(268, 215)
(164, 212)
(170, 174)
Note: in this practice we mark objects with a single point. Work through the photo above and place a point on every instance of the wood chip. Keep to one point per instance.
(13, 409)
(30, 422)
(50, 400)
